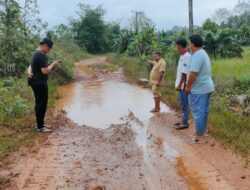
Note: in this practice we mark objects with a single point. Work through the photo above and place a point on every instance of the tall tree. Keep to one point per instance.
(90, 28)
(221, 15)
(210, 25)
(11, 38)
(140, 21)
(241, 7)
(31, 17)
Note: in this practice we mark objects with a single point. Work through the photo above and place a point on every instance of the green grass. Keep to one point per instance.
(17, 115)
(231, 73)
(229, 127)
(233, 66)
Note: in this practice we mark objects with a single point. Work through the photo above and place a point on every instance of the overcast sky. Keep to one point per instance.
(164, 13)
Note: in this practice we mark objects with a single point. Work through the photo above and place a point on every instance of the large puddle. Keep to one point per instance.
(101, 103)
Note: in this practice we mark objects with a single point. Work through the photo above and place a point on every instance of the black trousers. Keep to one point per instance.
(41, 101)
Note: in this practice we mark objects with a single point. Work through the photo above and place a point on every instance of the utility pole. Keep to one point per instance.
(136, 22)
(191, 17)
(137, 13)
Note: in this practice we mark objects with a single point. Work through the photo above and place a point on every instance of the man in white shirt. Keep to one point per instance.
(181, 81)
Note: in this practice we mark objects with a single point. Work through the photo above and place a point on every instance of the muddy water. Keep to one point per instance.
(101, 103)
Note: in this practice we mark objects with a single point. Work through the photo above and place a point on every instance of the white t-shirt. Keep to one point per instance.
(183, 65)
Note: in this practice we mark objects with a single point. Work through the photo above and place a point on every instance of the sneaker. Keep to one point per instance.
(181, 127)
(47, 126)
(44, 130)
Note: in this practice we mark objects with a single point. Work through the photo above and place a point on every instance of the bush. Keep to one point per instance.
(14, 100)
(242, 83)
(222, 43)
(69, 53)
(8, 82)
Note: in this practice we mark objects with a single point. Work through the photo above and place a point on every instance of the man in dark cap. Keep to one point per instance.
(38, 80)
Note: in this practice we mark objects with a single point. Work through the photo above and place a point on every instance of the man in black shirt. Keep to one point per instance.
(38, 80)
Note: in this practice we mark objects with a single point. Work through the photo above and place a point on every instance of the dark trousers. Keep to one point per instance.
(41, 101)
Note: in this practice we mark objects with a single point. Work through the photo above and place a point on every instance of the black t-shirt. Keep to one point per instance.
(39, 60)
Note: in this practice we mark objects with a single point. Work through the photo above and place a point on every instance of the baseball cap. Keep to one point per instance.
(48, 42)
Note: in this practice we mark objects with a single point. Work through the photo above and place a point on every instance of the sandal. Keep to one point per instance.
(181, 127)
(177, 123)
(197, 141)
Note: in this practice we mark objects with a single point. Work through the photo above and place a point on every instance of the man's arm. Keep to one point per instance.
(151, 62)
(160, 79)
(182, 81)
(29, 72)
(192, 78)
(47, 70)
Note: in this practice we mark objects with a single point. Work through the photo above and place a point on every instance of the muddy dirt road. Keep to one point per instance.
(107, 139)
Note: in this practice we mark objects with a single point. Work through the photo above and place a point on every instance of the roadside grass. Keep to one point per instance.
(233, 66)
(17, 115)
(229, 127)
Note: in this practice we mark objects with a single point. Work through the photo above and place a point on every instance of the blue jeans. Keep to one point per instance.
(199, 104)
(183, 99)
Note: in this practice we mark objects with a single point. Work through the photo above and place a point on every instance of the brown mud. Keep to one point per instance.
(106, 139)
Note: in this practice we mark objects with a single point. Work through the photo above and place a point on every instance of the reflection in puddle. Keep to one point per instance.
(101, 103)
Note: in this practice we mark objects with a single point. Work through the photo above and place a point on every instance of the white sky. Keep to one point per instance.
(164, 13)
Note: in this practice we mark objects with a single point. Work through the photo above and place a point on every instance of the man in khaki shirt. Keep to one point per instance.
(156, 79)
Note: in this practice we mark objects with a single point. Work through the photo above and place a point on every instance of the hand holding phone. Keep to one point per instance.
(56, 63)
